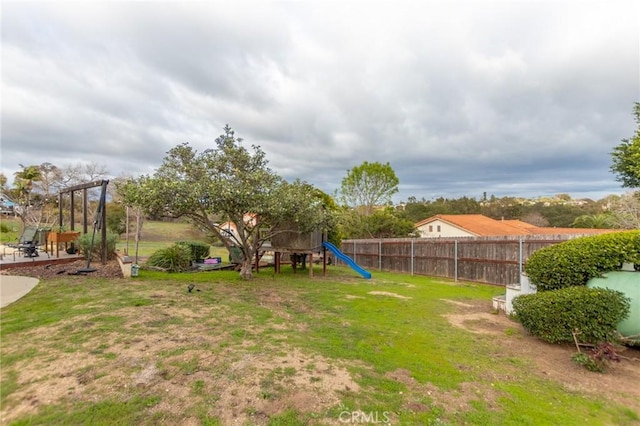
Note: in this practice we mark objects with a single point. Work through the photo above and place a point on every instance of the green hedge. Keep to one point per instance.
(575, 262)
(553, 315)
(176, 258)
(198, 249)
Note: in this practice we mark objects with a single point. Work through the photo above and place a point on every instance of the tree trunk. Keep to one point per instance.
(246, 270)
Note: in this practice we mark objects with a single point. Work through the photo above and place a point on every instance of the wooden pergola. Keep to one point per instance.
(101, 214)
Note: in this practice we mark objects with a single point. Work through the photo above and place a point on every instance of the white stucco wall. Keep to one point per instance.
(515, 290)
(445, 230)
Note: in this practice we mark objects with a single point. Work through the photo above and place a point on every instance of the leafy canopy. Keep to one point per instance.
(228, 184)
(383, 223)
(626, 157)
(368, 185)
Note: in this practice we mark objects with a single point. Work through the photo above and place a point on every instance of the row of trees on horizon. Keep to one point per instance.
(35, 184)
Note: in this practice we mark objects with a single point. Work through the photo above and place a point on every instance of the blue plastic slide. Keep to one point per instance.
(346, 259)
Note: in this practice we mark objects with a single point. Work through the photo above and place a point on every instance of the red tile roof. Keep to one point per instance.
(483, 226)
(556, 231)
(477, 224)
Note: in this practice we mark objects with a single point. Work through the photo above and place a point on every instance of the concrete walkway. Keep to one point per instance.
(14, 287)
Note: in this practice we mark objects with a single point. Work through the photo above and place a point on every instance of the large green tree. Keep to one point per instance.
(383, 223)
(369, 185)
(626, 157)
(228, 184)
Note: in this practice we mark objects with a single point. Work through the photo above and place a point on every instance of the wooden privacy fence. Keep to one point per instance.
(492, 260)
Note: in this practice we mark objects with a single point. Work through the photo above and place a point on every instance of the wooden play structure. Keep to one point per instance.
(300, 246)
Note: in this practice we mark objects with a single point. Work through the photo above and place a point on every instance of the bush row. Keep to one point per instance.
(575, 262)
(552, 316)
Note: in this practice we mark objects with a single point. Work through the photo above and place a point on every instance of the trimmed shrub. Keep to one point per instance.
(176, 258)
(553, 315)
(575, 262)
(198, 249)
(83, 243)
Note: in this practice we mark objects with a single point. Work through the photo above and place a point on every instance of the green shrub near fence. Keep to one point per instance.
(553, 315)
(198, 249)
(574, 262)
(85, 245)
(175, 258)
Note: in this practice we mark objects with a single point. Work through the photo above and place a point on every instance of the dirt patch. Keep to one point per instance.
(256, 384)
(55, 270)
(179, 352)
(553, 362)
(251, 388)
(386, 293)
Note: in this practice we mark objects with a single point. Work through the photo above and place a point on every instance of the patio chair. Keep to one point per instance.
(28, 235)
(30, 249)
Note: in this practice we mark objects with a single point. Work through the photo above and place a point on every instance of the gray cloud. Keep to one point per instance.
(511, 98)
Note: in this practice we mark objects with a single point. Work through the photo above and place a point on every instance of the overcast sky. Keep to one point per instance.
(511, 98)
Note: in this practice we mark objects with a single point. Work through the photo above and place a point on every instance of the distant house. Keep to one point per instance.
(6, 205)
(477, 225)
(229, 230)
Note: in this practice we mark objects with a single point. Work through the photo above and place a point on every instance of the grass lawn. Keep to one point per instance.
(154, 236)
(157, 235)
(10, 229)
(281, 350)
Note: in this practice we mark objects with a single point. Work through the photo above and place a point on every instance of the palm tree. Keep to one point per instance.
(595, 221)
(24, 181)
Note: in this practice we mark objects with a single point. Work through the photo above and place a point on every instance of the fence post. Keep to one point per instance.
(520, 261)
(354, 253)
(380, 255)
(455, 260)
(412, 256)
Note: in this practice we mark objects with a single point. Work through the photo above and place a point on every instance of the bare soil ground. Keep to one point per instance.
(621, 382)
(242, 386)
(54, 270)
